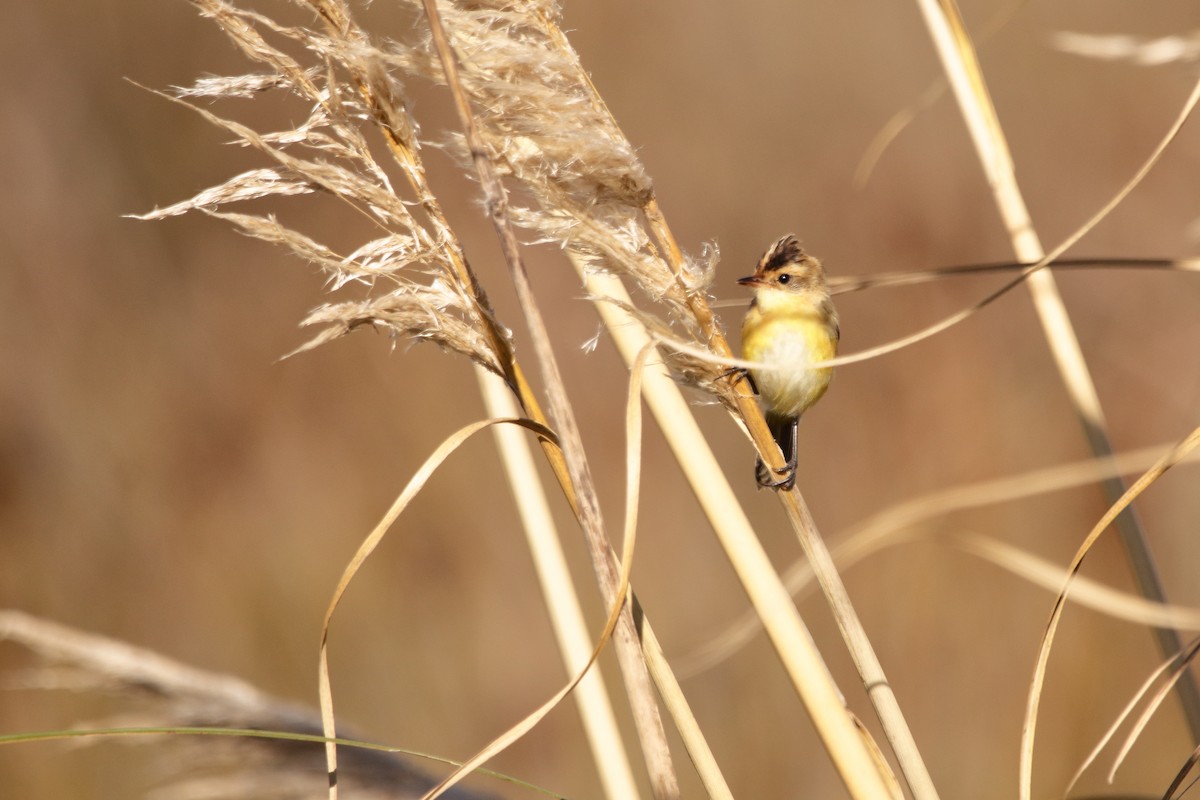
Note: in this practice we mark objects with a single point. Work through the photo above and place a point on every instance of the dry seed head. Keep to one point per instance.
(244, 86)
(545, 128)
(435, 313)
(347, 89)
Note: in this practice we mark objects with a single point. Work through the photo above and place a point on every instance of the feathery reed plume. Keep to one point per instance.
(413, 272)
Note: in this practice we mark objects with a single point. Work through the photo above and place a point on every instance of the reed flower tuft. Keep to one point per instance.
(411, 276)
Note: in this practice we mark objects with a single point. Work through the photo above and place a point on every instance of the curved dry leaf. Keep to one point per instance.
(1181, 663)
(1135, 49)
(414, 486)
(1085, 592)
(900, 523)
(633, 449)
(1121, 717)
(1029, 728)
(856, 283)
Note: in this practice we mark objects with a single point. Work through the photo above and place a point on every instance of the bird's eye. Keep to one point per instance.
(785, 278)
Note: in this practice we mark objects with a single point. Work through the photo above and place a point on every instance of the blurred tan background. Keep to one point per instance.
(165, 480)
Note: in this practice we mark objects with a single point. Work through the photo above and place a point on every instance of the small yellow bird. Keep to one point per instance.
(790, 324)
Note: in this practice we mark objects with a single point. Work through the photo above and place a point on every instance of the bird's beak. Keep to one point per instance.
(749, 280)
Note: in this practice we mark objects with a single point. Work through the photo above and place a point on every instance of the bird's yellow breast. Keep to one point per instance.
(790, 332)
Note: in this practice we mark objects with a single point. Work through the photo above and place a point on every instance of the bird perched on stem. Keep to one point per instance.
(790, 324)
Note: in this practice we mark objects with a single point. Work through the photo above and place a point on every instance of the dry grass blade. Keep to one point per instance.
(842, 284)
(415, 484)
(902, 522)
(1020, 563)
(561, 600)
(892, 129)
(1180, 660)
(961, 64)
(524, 726)
(1181, 663)
(1035, 691)
(1133, 49)
(1086, 592)
(668, 686)
(633, 458)
(1184, 771)
(633, 451)
(931, 94)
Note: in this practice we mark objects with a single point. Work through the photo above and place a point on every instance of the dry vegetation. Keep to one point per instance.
(167, 482)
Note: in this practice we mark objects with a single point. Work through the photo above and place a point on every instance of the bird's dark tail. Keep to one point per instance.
(783, 430)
